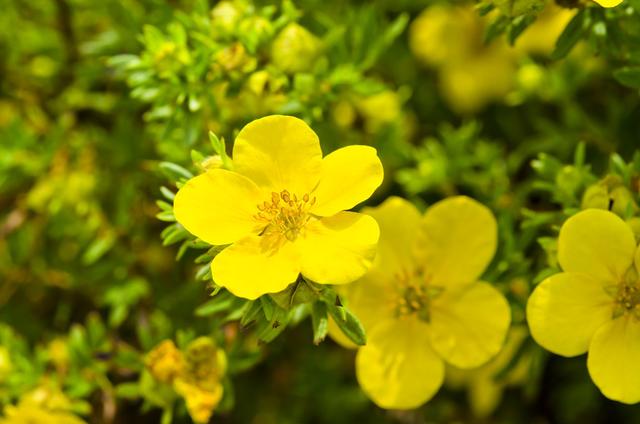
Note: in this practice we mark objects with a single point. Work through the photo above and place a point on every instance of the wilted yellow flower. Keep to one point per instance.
(282, 209)
(422, 305)
(594, 305)
(165, 362)
(200, 384)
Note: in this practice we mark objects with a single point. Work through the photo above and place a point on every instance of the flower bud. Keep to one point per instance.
(295, 49)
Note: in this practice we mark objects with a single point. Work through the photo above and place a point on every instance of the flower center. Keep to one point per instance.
(415, 295)
(286, 214)
(626, 295)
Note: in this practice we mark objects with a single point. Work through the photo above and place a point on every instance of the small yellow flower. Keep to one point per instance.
(282, 209)
(200, 383)
(165, 362)
(594, 305)
(46, 404)
(422, 304)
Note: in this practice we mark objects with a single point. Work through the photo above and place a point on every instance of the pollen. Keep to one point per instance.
(285, 214)
(627, 300)
(415, 294)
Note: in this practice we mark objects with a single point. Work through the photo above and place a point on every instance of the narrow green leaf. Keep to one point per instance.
(629, 76)
(320, 321)
(348, 323)
(572, 34)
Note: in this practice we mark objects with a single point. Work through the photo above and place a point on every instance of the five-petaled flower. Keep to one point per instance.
(594, 305)
(422, 305)
(282, 209)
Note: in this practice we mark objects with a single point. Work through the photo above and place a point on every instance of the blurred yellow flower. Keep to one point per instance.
(485, 385)
(594, 305)
(470, 74)
(540, 37)
(43, 405)
(195, 374)
(380, 109)
(165, 362)
(295, 49)
(5, 363)
(422, 304)
(282, 209)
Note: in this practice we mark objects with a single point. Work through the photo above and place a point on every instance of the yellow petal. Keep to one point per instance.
(251, 267)
(349, 176)
(613, 359)
(608, 3)
(598, 243)
(397, 369)
(469, 327)
(218, 206)
(565, 310)
(399, 222)
(279, 153)
(338, 249)
(457, 240)
(370, 298)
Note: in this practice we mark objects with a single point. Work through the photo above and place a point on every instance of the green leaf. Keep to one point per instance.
(573, 32)
(174, 172)
(219, 303)
(348, 323)
(629, 76)
(320, 321)
(251, 312)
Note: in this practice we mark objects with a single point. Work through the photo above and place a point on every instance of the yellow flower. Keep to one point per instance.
(46, 404)
(165, 362)
(594, 305)
(200, 383)
(608, 3)
(282, 209)
(485, 385)
(422, 304)
(541, 36)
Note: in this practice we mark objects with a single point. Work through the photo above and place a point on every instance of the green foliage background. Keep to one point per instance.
(103, 103)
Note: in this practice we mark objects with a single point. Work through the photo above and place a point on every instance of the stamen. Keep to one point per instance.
(285, 215)
(415, 294)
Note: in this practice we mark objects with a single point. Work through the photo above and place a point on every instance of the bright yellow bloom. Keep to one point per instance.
(608, 3)
(422, 304)
(282, 209)
(594, 305)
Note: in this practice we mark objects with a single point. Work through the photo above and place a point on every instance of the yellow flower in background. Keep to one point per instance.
(46, 404)
(443, 34)
(540, 37)
(165, 362)
(282, 209)
(422, 304)
(485, 385)
(470, 74)
(594, 305)
(195, 374)
(473, 83)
